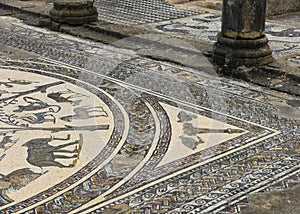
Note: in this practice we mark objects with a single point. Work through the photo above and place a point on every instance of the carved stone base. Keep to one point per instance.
(73, 12)
(242, 52)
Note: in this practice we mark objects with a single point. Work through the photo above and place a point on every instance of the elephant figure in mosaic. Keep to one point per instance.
(42, 154)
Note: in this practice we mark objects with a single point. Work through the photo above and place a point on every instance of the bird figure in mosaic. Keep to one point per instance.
(17, 179)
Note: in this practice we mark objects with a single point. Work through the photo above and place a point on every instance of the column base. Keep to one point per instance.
(74, 12)
(242, 52)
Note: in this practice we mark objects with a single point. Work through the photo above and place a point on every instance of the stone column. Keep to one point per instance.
(73, 12)
(242, 40)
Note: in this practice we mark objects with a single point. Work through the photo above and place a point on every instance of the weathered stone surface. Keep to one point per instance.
(277, 7)
(243, 19)
(276, 202)
(166, 48)
(74, 12)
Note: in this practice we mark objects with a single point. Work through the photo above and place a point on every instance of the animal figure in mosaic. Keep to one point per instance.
(7, 142)
(67, 96)
(185, 117)
(11, 82)
(191, 142)
(34, 104)
(41, 117)
(56, 205)
(190, 130)
(84, 112)
(42, 154)
(17, 179)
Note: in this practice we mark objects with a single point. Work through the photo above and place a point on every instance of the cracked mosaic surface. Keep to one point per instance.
(113, 131)
(284, 40)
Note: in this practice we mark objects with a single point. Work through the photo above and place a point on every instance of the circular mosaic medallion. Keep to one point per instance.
(49, 130)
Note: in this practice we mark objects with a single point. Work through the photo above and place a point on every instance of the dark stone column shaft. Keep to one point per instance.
(242, 40)
(243, 19)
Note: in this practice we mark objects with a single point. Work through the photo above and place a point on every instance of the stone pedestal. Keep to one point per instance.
(242, 40)
(73, 12)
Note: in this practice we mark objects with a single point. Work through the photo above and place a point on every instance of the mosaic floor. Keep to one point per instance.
(87, 128)
(283, 39)
(141, 11)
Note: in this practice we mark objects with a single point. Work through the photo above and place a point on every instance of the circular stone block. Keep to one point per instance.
(235, 53)
(73, 12)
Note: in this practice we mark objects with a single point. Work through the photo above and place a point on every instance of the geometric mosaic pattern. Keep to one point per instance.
(136, 12)
(86, 129)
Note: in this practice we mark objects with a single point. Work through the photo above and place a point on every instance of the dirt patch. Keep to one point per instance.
(276, 202)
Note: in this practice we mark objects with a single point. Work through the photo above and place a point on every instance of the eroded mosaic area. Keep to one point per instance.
(86, 128)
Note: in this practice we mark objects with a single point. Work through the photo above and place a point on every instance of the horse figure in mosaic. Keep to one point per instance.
(42, 154)
(84, 113)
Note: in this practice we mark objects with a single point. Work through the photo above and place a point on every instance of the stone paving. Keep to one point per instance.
(89, 128)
